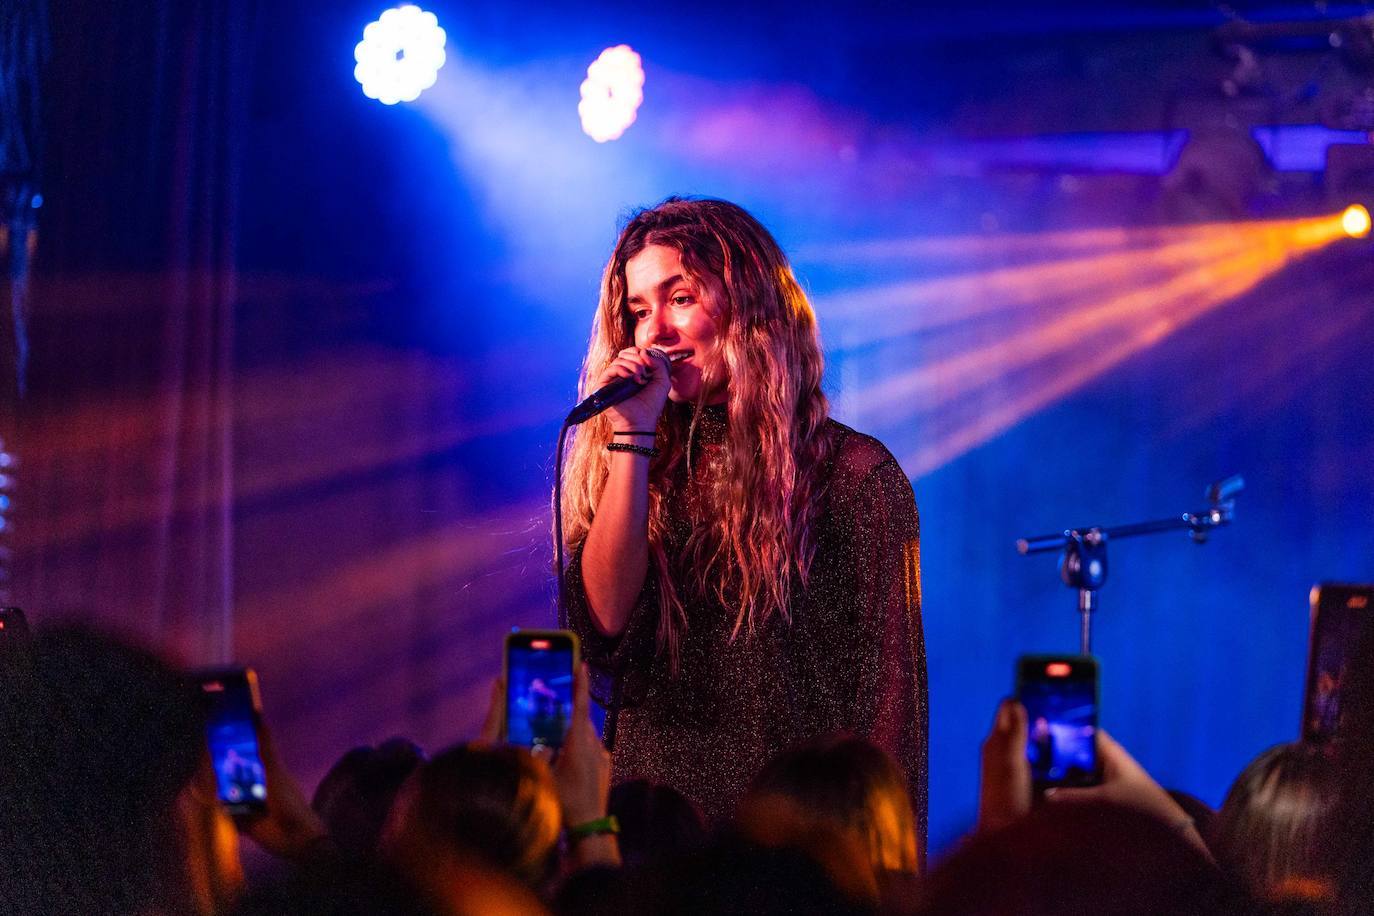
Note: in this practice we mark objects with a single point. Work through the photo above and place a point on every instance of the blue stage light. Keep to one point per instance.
(400, 55)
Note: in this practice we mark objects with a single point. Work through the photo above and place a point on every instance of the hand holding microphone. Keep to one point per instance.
(634, 388)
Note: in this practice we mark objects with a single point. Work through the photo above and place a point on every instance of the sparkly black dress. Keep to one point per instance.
(852, 660)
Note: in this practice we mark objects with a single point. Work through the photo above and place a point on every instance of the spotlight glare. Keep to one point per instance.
(1355, 221)
(400, 55)
(611, 93)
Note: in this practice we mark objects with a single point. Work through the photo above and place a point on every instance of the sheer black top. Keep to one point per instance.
(852, 659)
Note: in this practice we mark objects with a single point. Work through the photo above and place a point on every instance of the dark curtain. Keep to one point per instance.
(122, 509)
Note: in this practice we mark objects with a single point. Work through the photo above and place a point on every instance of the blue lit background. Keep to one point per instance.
(420, 279)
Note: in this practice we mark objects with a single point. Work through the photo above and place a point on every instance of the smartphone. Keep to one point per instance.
(539, 666)
(1338, 618)
(1060, 696)
(233, 708)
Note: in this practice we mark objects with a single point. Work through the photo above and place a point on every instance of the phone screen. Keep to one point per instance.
(539, 687)
(1339, 613)
(232, 734)
(1060, 696)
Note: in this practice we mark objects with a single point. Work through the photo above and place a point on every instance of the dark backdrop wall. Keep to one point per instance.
(299, 358)
(124, 501)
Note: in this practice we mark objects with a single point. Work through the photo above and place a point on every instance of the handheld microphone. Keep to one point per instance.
(613, 393)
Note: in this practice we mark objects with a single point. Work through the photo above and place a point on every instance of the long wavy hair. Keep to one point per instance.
(756, 551)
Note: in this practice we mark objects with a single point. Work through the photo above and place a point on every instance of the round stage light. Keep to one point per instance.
(611, 93)
(400, 55)
(1355, 221)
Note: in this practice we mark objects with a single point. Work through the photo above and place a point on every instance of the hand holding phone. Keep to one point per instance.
(1125, 782)
(253, 784)
(583, 770)
(233, 708)
(1059, 693)
(1021, 759)
(1004, 783)
(290, 828)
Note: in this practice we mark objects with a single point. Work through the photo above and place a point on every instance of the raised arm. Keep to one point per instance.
(615, 556)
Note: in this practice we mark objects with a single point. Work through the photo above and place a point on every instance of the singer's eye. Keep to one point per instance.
(639, 314)
(682, 299)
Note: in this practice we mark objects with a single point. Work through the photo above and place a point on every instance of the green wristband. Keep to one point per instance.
(601, 825)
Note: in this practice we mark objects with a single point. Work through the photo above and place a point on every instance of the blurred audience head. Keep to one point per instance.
(488, 804)
(656, 821)
(353, 887)
(357, 793)
(1076, 858)
(1271, 830)
(106, 790)
(852, 787)
(734, 874)
(1203, 814)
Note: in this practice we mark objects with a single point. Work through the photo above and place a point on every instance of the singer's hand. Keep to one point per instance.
(651, 369)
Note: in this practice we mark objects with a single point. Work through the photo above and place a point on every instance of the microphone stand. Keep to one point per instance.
(1084, 566)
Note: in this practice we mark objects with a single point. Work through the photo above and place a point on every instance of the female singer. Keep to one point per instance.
(744, 570)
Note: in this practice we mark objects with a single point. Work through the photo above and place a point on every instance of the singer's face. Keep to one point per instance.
(671, 311)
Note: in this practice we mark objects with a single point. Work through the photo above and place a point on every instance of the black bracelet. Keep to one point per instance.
(635, 432)
(645, 450)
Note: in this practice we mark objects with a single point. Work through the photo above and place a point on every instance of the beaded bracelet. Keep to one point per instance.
(635, 432)
(645, 450)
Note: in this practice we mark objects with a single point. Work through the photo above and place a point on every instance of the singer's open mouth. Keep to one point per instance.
(677, 356)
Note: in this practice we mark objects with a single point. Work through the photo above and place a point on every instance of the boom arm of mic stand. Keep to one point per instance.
(1222, 495)
(1044, 543)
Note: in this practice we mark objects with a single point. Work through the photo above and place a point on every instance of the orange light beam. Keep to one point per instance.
(922, 305)
(953, 377)
(1003, 244)
(980, 429)
(1136, 319)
